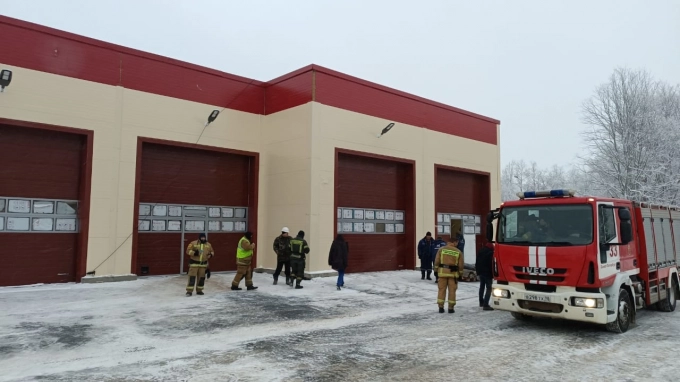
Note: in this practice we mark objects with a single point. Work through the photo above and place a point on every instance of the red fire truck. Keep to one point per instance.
(589, 259)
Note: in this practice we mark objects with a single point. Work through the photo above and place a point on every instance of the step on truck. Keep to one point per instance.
(591, 259)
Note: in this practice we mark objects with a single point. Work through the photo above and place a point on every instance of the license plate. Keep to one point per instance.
(533, 297)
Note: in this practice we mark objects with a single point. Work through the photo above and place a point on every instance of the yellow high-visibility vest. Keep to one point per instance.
(242, 253)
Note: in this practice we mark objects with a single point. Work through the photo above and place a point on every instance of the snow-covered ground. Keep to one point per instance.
(382, 327)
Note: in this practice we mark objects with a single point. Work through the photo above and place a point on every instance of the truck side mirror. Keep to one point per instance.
(624, 214)
(489, 217)
(626, 226)
(626, 231)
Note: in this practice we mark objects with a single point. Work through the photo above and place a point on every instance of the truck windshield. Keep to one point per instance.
(546, 225)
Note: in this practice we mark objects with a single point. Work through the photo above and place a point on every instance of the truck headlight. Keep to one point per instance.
(504, 293)
(588, 302)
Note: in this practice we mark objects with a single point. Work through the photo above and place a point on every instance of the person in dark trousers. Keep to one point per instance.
(484, 268)
(461, 241)
(425, 250)
(298, 254)
(437, 245)
(282, 250)
(337, 258)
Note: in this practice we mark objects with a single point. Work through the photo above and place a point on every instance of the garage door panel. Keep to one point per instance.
(192, 177)
(464, 193)
(380, 186)
(173, 174)
(374, 253)
(160, 252)
(372, 183)
(39, 258)
(42, 164)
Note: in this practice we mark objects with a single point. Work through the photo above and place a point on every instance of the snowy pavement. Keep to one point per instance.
(382, 327)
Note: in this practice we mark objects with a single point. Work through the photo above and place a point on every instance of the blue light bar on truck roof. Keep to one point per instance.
(545, 194)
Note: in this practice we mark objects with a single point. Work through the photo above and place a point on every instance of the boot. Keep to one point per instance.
(235, 288)
(339, 287)
(188, 294)
(441, 309)
(451, 310)
(292, 284)
(251, 287)
(200, 293)
(297, 285)
(276, 280)
(429, 273)
(289, 281)
(487, 307)
(422, 275)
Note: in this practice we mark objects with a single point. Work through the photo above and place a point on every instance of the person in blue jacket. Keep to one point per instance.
(437, 244)
(425, 251)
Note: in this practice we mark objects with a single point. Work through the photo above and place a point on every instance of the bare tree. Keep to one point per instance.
(632, 140)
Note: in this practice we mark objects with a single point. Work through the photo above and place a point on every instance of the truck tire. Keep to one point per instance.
(520, 316)
(624, 314)
(668, 304)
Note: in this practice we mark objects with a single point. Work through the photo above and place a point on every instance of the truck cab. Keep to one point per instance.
(568, 257)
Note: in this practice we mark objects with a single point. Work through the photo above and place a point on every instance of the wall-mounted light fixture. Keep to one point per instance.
(5, 79)
(386, 129)
(212, 117)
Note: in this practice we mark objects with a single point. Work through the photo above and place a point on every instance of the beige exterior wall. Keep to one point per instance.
(285, 168)
(333, 127)
(296, 146)
(118, 116)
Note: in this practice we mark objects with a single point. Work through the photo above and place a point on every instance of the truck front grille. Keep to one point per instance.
(540, 288)
(543, 307)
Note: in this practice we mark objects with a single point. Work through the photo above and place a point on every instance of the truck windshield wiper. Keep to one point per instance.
(556, 243)
(539, 244)
(518, 242)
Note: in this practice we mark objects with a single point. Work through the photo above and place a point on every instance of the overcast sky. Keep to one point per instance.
(529, 64)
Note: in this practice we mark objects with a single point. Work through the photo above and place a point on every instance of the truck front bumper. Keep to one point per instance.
(559, 304)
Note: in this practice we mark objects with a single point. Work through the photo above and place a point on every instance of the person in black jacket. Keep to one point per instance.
(337, 258)
(484, 268)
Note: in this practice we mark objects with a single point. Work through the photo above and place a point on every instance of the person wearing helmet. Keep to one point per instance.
(199, 251)
(282, 250)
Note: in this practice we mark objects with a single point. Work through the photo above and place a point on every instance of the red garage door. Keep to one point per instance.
(40, 176)
(380, 194)
(460, 192)
(185, 191)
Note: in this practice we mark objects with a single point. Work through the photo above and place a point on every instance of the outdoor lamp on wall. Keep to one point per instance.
(5, 79)
(212, 116)
(386, 129)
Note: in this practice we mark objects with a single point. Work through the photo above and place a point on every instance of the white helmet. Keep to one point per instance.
(284, 229)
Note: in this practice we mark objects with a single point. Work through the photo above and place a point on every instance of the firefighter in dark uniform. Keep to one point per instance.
(199, 251)
(282, 250)
(298, 254)
(449, 264)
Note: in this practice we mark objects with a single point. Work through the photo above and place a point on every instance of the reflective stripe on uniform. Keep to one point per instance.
(444, 270)
(300, 247)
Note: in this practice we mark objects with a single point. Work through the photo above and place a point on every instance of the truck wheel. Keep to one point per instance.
(520, 316)
(623, 315)
(668, 305)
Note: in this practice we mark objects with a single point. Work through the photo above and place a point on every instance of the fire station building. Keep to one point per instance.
(109, 167)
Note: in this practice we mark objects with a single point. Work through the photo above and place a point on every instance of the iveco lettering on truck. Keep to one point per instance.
(591, 259)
